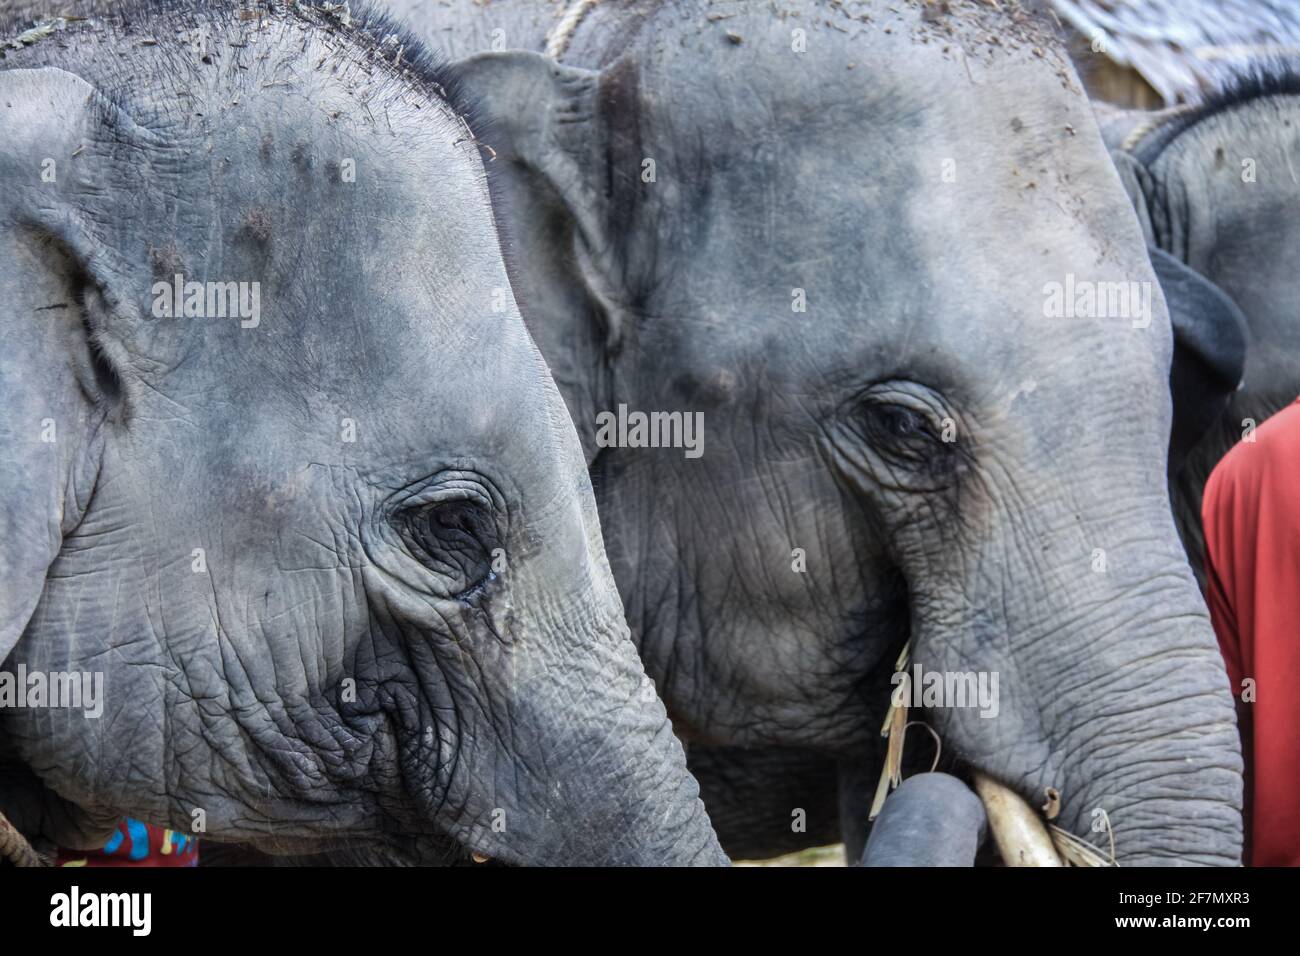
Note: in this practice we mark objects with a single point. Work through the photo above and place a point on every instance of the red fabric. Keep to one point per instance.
(1251, 515)
(137, 844)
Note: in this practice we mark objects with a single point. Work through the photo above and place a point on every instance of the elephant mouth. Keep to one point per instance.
(1022, 835)
(1011, 832)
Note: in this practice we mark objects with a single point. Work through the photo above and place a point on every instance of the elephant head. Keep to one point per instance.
(284, 470)
(883, 260)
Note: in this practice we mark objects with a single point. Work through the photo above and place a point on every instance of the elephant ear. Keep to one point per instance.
(55, 385)
(1209, 329)
(543, 117)
(1210, 341)
(552, 182)
(1137, 183)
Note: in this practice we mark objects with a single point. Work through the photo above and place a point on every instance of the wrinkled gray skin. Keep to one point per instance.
(1184, 170)
(496, 710)
(823, 171)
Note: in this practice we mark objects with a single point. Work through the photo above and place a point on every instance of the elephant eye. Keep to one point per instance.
(903, 423)
(900, 432)
(456, 539)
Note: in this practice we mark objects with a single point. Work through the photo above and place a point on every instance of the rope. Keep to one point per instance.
(14, 846)
(1149, 126)
(558, 40)
(1139, 133)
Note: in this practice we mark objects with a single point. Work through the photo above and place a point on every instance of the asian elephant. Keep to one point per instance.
(283, 471)
(845, 235)
(1216, 186)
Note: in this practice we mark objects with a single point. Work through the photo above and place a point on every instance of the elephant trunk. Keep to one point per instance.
(588, 772)
(1155, 764)
(654, 816)
(1108, 688)
(619, 794)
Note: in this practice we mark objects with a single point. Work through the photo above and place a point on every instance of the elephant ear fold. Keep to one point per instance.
(1209, 361)
(542, 118)
(51, 379)
(556, 191)
(1137, 183)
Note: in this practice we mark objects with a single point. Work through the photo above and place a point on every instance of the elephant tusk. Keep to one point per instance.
(1021, 837)
(478, 857)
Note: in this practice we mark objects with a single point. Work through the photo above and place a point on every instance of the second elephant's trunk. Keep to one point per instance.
(1109, 688)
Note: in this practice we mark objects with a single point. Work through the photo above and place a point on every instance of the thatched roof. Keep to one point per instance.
(1184, 48)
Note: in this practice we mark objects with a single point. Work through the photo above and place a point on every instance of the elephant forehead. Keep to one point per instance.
(907, 264)
(892, 66)
(895, 227)
(326, 275)
(428, 409)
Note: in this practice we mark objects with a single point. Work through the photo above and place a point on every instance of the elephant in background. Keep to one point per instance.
(1216, 190)
(322, 526)
(841, 233)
